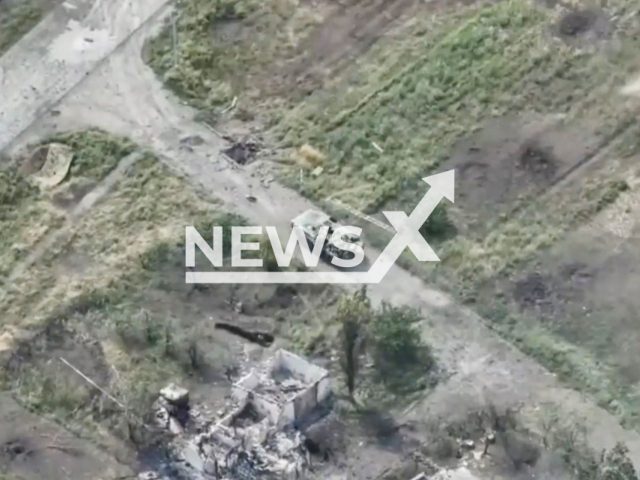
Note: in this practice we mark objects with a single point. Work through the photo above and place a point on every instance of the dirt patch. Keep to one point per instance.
(510, 159)
(578, 274)
(584, 290)
(70, 193)
(577, 26)
(534, 291)
(34, 161)
(73, 264)
(227, 31)
(551, 292)
(538, 161)
(32, 448)
(42, 354)
(577, 23)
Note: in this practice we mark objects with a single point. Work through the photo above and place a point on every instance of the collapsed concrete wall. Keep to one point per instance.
(266, 406)
(256, 437)
(287, 388)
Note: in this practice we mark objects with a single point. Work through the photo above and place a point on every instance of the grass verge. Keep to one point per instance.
(17, 19)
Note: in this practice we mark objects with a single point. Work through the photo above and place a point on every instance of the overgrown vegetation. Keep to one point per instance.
(95, 153)
(212, 63)
(394, 117)
(109, 297)
(26, 212)
(567, 439)
(22, 210)
(557, 448)
(269, 261)
(172, 253)
(116, 327)
(438, 85)
(16, 19)
(14, 188)
(438, 226)
(402, 361)
(129, 242)
(204, 71)
(135, 353)
(414, 96)
(419, 95)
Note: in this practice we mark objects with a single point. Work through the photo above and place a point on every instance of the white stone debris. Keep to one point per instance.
(171, 409)
(255, 435)
(175, 395)
(468, 444)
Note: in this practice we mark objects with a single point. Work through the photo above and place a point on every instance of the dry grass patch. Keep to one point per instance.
(226, 46)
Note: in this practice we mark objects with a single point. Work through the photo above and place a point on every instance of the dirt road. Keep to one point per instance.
(122, 95)
(59, 53)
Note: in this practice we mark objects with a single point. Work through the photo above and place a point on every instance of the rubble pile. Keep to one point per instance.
(255, 451)
(171, 409)
(255, 435)
(276, 383)
(242, 152)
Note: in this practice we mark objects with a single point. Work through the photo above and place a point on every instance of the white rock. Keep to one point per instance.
(174, 427)
(148, 476)
(210, 467)
(469, 444)
(175, 395)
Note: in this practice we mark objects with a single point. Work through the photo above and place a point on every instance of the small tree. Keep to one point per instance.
(354, 312)
(399, 354)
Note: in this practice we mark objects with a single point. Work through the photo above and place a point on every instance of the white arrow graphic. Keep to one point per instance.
(408, 228)
(408, 235)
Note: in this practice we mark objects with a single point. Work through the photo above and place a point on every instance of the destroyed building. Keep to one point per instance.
(256, 436)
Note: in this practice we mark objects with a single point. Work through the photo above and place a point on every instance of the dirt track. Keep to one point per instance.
(112, 89)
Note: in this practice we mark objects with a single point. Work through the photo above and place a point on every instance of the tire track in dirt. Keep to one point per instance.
(608, 144)
(632, 90)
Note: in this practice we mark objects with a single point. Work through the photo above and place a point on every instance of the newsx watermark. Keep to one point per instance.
(214, 253)
(344, 241)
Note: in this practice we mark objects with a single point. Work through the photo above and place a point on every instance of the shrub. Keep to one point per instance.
(400, 355)
(438, 226)
(616, 465)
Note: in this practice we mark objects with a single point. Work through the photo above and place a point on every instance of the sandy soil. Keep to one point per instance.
(112, 89)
